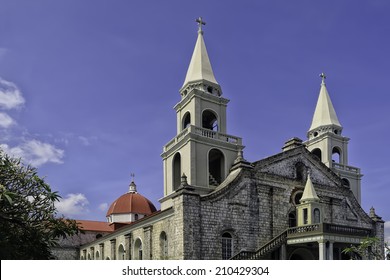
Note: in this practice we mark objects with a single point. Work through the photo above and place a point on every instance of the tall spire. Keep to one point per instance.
(324, 114)
(200, 66)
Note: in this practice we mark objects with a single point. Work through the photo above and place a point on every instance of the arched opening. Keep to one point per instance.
(97, 255)
(138, 249)
(121, 252)
(99, 235)
(297, 197)
(176, 171)
(346, 183)
(317, 216)
(300, 171)
(89, 256)
(227, 246)
(292, 219)
(216, 167)
(164, 245)
(209, 120)
(136, 217)
(336, 155)
(301, 254)
(186, 120)
(317, 152)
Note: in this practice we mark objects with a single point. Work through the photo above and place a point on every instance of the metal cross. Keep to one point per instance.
(200, 22)
(323, 77)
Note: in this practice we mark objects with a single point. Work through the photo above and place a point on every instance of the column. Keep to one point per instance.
(128, 246)
(113, 249)
(101, 248)
(283, 252)
(321, 250)
(330, 250)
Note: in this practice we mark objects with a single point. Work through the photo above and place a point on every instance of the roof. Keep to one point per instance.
(309, 193)
(94, 226)
(131, 202)
(200, 66)
(324, 113)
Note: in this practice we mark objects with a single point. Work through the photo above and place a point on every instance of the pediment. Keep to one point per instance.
(294, 164)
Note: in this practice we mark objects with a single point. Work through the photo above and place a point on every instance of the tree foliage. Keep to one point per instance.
(28, 223)
(368, 249)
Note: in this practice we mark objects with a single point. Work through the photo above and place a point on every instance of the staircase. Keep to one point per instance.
(212, 181)
(266, 249)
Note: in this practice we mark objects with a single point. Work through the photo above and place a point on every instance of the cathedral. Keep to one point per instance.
(302, 203)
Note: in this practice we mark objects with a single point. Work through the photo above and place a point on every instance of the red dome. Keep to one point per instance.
(131, 202)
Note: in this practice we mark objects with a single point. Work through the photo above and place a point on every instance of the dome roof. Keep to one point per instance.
(131, 202)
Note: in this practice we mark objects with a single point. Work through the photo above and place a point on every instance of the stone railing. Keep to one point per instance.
(205, 133)
(327, 228)
(346, 167)
(267, 248)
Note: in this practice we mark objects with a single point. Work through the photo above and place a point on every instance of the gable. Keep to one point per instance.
(295, 163)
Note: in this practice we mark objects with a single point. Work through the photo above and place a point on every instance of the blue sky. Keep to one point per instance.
(87, 88)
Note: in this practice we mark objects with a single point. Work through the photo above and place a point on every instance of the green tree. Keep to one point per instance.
(369, 249)
(28, 223)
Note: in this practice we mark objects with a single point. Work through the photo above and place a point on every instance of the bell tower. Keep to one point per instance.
(325, 140)
(201, 149)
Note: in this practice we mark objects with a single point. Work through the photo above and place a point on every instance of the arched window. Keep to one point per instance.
(317, 216)
(299, 171)
(164, 245)
(317, 152)
(97, 255)
(136, 217)
(186, 120)
(336, 155)
(176, 171)
(292, 219)
(99, 235)
(138, 249)
(346, 183)
(216, 167)
(121, 252)
(89, 256)
(209, 120)
(227, 246)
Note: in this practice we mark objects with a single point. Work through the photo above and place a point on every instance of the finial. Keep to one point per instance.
(200, 22)
(184, 180)
(323, 77)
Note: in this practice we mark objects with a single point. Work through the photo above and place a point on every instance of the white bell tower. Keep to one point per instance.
(202, 149)
(327, 143)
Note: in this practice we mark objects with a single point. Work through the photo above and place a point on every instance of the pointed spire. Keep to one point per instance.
(200, 66)
(324, 113)
(309, 194)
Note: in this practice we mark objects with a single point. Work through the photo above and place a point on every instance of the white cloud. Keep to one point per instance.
(103, 206)
(73, 204)
(10, 95)
(35, 152)
(5, 120)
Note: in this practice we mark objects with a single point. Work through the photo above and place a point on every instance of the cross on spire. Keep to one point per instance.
(200, 22)
(323, 77)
